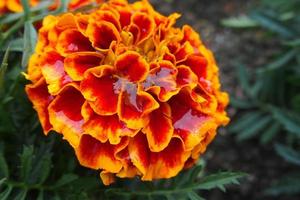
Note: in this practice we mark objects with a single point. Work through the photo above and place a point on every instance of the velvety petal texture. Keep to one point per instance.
(130, 92)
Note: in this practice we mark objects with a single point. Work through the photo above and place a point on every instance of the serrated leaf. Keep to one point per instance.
(290, 124)
(219, 180)
(30, 38)
(272, 24)
(253, 130)
(239, 22)
(270, 133)
(288, 154)
(64, 180)
(26, 162)
(246, 121)
(194, 196)
(5, 194)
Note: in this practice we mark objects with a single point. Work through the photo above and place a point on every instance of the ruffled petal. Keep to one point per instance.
(186, 77)
(145, 25)
(190, 125)
(133, 108)
(198, 65)
(65, 114)
(93, 154)
(155, 165)
(184, 51)
(191, 36)
(102, 34)
(108, 16)
(107, 177)
(52, 67)
(104, 128)
(160, 129)
(71, 41)
(162, 81)
(76, 64)
(98, 88)
(34, 72)
(132, 66)
(40, 98)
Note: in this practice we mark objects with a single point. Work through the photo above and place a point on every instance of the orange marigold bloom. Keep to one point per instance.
(130, 92)
(16, 5)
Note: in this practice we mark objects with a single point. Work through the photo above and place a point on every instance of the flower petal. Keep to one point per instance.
(160, 129)
(191, 36)
(102, 34)
(71, 40)
(105, 127)
(132, 66)
(145, 25)
(186, 77)
(52, 66)
(184, 51)
(133, 107)
(198, 64)
(76, 64)
(162, 81)
(107, 177)
(98, 88)
(93, 154)
(65, 113)
(40, 98)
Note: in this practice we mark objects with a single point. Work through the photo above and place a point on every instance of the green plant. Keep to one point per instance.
(271, 102)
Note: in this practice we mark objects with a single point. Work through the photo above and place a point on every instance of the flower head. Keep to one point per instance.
(130, 92)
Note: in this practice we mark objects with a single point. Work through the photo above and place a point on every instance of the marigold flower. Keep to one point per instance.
(130, 92)
(16, 5)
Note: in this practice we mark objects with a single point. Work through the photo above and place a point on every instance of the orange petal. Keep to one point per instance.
(99, 89)
(102, 34)
(34, 70)
(155, 165)
(160, 129)
(66, 21)
(133, 108)
(189, 124)
(76, 64)
(65, 114)
(198, 64)
(162, 81)
(191, 36)
(107, 177)
(108, 16)
(105, 127)
(52, 66)
(145, 24)
(132, 66)
(71, 40)
(186, 77)
(184, 51)
(96, 155)
(40, 98)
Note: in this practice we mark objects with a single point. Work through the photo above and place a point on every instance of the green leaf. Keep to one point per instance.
(41, 195)
(22, 195)
(240, 103)
(26, 162)
(15, 45)
(253, 130)
(289, 185)
(194, 196)
(5, 194)
(289, 122)
(26, 9)
(239, 22)
(270, 133)
(4, 172)
(280, 62)
(272, 24)
(3, 69)
(30, 38)
(288, 154)
(64, 180)
(246, 121)
(2, 181)
(244, 78)
(219, 180)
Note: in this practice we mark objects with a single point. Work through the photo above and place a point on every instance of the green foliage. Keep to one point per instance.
(271, 101)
